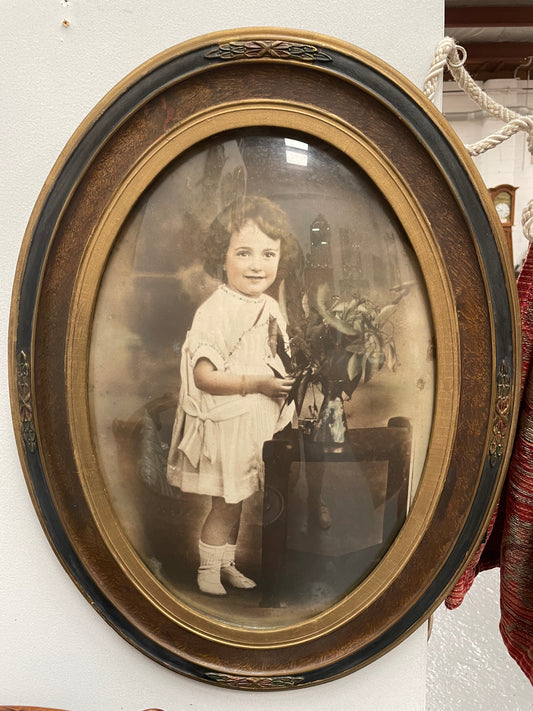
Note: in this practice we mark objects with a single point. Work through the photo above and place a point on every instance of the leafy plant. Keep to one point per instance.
(344, 341)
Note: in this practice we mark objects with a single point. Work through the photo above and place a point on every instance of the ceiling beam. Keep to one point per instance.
(489, 16)
(496, 51)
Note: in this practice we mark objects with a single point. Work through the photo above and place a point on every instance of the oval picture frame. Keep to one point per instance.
(401, 269)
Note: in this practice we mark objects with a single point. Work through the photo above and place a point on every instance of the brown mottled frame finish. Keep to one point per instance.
(327, 88)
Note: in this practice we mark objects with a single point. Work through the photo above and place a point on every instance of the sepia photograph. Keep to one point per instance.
(262, 377)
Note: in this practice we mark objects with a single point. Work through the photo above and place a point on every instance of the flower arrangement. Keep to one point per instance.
(344, 340)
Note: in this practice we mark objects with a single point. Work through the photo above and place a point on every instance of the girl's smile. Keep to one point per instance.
(252, 259)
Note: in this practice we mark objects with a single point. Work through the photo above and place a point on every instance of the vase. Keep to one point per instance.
(330, 429)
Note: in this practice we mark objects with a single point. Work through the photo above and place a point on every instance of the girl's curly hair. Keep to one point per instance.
(268, 216)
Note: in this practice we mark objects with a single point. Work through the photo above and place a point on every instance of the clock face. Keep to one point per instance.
(502, 202)
(503, 210)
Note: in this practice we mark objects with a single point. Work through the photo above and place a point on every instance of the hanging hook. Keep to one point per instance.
(461, 57)
(527, 62)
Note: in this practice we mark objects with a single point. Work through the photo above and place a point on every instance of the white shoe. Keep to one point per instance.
(230, 575)
(209, 582)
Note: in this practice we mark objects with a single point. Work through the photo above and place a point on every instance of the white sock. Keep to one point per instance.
(209, 571)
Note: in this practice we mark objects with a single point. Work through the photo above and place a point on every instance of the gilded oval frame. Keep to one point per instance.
(354, 102)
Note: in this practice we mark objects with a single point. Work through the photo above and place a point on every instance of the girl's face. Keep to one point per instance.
(252, 259)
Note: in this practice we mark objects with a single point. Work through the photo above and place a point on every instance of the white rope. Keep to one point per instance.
(527, 221)
(452, 56)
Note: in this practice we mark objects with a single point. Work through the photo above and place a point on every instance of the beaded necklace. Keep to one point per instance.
(241, 297)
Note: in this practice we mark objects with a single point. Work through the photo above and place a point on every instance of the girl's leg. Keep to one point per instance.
(222, 523)
(218, 542)
(208, 577)
(218, 526)
(228, 571)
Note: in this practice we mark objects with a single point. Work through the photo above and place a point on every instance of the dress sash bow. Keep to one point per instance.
(200, 437)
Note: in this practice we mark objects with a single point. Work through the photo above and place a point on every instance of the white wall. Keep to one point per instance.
(469, 666)
(56, 651)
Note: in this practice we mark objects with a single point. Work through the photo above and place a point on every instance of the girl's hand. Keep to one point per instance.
(217, 382)
(275, 387)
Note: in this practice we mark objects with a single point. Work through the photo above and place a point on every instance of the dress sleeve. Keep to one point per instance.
(206, 338)
(275, 312)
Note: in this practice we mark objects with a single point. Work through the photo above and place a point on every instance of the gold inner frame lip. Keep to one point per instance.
(313, 121)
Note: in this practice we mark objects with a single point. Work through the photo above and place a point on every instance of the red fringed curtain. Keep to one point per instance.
(509, 539)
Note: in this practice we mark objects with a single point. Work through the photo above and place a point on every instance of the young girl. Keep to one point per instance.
(230, 400)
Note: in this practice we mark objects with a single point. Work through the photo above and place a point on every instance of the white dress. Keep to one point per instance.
(217, 440)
